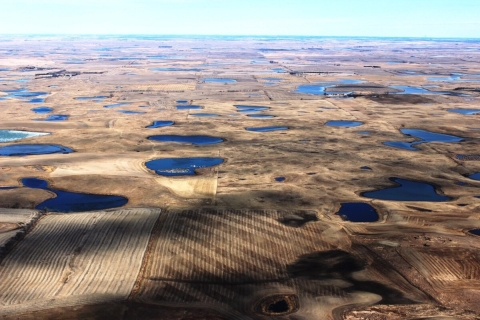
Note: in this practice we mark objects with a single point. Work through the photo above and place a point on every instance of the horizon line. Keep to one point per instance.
(228, 35)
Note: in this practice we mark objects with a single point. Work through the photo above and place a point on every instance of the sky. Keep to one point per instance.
(375, 18)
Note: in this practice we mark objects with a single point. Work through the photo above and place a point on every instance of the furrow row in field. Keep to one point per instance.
(67, 257)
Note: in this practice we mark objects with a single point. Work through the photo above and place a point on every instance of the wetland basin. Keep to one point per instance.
(343, 123)
(181, 166)
(114, 105)
(475, 232)
(160, 123)
(424, 136)
(357, 212)
(195, 140)
(407, 190)
(219, 80)
(475, 176)
(266, 129)
(94, 98)
(14, 135)
(42, 110)
(55, 117)
(66, 201)
(32, 149)
(468, 112)
(250, 109)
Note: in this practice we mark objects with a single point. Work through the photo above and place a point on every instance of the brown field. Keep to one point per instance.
(231, 242)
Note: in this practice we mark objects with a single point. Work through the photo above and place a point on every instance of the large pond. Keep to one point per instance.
(266, 129)
(358, 212)
(181, 166)
(320, 88)
(424, 136)
(71, 201)
(196, 139)
(407, 190)
(160, 123)
(14, 135)
(32, 149)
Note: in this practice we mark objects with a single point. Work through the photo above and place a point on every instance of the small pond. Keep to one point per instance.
(160, 123)
(55, 117)
(94, 98)
(32, 149)
(114, 105)
(71, 201)
(475, 176)
(407, 190)
(266, 129)
(475, 232)
(280, 179)
(196, 140)
(130, 112)
(260, 116)
(250, 109)
(424, 136)
(204, 114)
(42, 110)
(14, 135)
(465, 111)
(343, 123)
(181, 166)
(357, 212)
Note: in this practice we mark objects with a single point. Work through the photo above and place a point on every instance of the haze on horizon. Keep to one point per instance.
(376, 18)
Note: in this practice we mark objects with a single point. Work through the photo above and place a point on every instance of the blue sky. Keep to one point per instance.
(396, 18)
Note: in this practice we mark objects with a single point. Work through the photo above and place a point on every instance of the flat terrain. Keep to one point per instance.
(257, 236)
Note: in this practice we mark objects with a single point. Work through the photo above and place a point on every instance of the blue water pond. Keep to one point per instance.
(73, 202)
(181, 101)
(192, 107)
(465, 111)
(266, 129)
(92, 98)
(425, 136)
(408, 190)
(32, 149)
(475, 232)
(114, 105)
(181, 166)
(130, 112)
(475, 176)
(14, 135)
(358, 212)
(42, 110)
(55, 117)
(343, 123)
(250, 109)
(280, 179)
(160, 123)
(319, 88)
(196, 140)
(37, 100)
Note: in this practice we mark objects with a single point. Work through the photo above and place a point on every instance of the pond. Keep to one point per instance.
(181, 166)
(195, 140)
(32, 149)
(250, 109)
(14, 135)
(358, 212)
(343, 123)
(160, 123)
(465, 111)
(280, 179)
(266, 129)
(475, 176)
(130, 112)
(475, 232)
(260, 116)
(204, 114)
(42, 110)
(114, 105)
(407, 190)
(55, 117)
(424, 136)
(71, 201)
